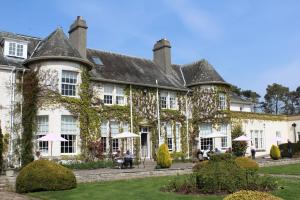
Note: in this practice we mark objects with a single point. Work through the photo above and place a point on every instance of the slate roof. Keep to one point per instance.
(32, 42)
(56, 44)
(239, 99)
(201, 72)
(116, 67)
(137, 71)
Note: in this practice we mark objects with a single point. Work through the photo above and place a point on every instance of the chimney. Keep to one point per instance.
(77, 35)
(162, 54)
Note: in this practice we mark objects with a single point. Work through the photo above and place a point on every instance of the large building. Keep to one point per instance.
(184, 106)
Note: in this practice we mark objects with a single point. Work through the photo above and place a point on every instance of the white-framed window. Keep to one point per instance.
(104, 129)
(69, 131)
(224, 143)
(104, 144)
(169, 137)
(113, 94)
(222, 101)
(258, 139)
(69, 83)
(15, 48)
(114, 128)
(223, 130)
(12, 49)
(42, 130)
(20, 50)
(168, 100)
(205, 129)
(206, 143)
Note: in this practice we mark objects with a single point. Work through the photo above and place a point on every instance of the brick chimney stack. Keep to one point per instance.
(162, 54)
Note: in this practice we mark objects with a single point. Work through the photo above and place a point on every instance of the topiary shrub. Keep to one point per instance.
(44, 175)
(163, 157)
(275, 152)
(246, 163)
(251, 195)
(238, 147)
(220, 157)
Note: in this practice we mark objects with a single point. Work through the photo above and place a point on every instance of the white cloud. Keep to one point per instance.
(197, 20)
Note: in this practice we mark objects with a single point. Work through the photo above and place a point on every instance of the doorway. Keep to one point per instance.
(145, 142)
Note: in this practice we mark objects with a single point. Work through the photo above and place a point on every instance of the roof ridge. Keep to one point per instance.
(121, 54)
(195, 62)
(22, 35)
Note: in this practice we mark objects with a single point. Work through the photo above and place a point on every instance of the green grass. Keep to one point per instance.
(148, 188)
(292, 169)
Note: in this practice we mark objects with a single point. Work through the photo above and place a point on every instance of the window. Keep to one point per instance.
(169, 137)
(113, 95)
(68, 146)
(68, 83)
(104, 130)
(222, 101)
(114, 130)
(168, 100)
(103, 144)
(19, 50)
(163, 102)
(206, 143)
(42, 130)
(223, 142)
(97, 60)
(108, 94)
(12, 49)
(119, 96)
(205, 129)
(257, 138)
(69, 130)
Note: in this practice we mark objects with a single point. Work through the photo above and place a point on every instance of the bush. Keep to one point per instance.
(89, 165)
(275, 152)
(220, 157)
(284, 149)
(178, 156)
(238, 148)
(163, 157)
(251, 195)
(246, 163)
(199, 165)
(44, 175)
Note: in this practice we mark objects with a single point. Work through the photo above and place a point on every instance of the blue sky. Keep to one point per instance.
(251, 43)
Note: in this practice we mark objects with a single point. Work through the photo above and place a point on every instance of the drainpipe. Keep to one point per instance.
(12, 99)
(187, 124)
(131, 119)
(21, 108)
(158, 116)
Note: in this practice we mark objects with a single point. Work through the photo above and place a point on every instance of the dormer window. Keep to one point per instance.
(15, 49)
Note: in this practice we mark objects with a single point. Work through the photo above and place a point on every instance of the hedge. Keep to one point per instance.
(251, 195)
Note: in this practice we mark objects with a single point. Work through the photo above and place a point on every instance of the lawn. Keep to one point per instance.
(292, 169)
(147, 188)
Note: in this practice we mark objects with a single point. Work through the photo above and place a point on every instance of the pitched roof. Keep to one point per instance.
(137, 71)
(56, 44)
(235, 98)
(201, 72)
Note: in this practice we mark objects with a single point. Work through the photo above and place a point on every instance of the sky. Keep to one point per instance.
(251, 43)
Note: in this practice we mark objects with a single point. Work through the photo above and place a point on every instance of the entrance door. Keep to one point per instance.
(145, 142)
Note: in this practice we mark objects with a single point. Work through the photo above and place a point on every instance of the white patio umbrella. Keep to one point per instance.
(242, 138)
(126, 135)
(52, 138)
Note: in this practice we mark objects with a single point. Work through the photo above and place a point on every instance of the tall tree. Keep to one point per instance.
(293, 102)
(276, 98)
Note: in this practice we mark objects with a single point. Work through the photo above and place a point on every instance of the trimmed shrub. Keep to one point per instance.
(220, 157)
(238, 148)
(44, 175)
(199, 165)
(163, 157)
(247, 163)
(89, 165)
(251, 195)
(275, 152)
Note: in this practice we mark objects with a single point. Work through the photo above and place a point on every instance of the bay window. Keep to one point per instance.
(222, 101)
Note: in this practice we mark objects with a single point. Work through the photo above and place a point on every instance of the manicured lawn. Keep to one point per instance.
(147, 188)
(293, 169)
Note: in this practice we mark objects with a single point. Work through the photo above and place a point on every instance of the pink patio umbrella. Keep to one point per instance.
(52, 138)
